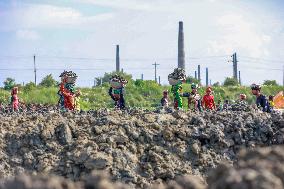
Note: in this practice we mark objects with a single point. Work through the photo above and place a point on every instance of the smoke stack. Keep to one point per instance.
(117, 59)
(181, 60)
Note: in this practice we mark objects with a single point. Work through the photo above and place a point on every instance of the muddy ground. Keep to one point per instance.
(141, 149)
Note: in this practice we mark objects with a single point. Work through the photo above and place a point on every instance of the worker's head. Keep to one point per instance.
(243, 96)
(255, 89)
(14, 91)
(194, 87)
(209, 90)
(165, 93)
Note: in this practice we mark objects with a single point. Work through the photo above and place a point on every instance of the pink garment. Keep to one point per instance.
(15, 102)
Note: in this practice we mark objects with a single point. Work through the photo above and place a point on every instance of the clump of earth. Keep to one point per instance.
(139, 149)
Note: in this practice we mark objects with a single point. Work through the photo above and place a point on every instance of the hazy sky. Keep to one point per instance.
(82, 34)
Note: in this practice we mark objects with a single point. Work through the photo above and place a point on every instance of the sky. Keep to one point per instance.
(81, 35)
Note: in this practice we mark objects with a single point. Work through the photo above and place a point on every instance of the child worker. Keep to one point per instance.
(165, 99)
(208, 102)
(15, 99)
(194, 99)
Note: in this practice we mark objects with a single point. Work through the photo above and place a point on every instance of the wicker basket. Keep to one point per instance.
(173, 81)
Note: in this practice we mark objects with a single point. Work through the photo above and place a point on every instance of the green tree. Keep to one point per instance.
(9, 83)
(231, 82)
(270, 83)
(48, 81)
(190, 80)
(107, 76)
(217, 84)
(29, 86)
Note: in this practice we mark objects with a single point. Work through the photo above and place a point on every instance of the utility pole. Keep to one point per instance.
(142, 77)
(198, 70)
(181, 56)
(117, 59)
(283, 75)
(159, 80)
(195, 75)
(94, 82)
(35, 69)
(155, 70)
(207, 79)
(240, 81)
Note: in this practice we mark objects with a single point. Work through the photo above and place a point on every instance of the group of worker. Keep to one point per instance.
(69, 97)
(196, 102)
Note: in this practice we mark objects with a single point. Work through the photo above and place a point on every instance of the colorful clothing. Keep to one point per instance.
(15, 102)
(164, 102)
(177, 91)
(208, 102)
(69, 102)
(117, 96)
(77, 103)
(262, 103)
(194, 102)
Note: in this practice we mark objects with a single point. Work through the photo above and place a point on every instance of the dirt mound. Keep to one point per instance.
(262, 168)
(137, 147)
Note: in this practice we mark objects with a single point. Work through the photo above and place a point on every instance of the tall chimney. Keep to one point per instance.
(117, 59)
(181, 59)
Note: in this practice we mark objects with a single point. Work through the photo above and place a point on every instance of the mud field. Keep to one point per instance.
(141, 149)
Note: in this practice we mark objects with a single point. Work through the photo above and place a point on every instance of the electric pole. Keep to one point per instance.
(155, 70)
(94, 82)
(159, 80)
(207, 79)
(142, 77)
(198, 71)
(283, 75)
(195, 75)
(35, 69)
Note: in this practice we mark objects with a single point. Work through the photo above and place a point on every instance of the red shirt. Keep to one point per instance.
(208, 102)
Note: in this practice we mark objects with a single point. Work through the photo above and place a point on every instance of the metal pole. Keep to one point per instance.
(155, 70)
(283, 75)
(35, 69)
(142, 77)
(117, 59)
(159, 80)
(195, 74)
(199, 78)
(207, 82)
(181, 56)
(240, 81)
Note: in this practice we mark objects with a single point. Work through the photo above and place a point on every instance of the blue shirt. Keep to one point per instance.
(262, 103)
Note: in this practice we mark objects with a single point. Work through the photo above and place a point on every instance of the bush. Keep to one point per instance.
(48, 81)
(107, 76)
(270, 83)
(29, 86)
(231, 82)
(192, 80)
(217, 84)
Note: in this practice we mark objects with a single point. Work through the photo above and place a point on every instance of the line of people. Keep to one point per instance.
(69, 97)
(196, 102)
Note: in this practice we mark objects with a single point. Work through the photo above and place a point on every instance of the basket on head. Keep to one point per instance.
(177, 76)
